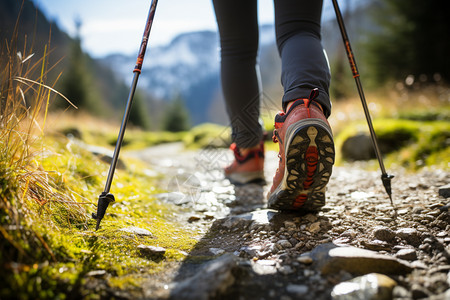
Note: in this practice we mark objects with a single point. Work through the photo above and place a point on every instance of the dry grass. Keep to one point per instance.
(29, 195)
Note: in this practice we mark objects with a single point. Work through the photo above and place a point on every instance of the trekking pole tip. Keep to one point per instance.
(386, 179)
(103, 201)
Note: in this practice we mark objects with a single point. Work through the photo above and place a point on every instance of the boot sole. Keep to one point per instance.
(309, 161)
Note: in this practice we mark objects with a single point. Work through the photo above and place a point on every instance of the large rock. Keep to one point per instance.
(210, 281)
(243, 221)
(371, 287)
(358, 147)
(330, 259)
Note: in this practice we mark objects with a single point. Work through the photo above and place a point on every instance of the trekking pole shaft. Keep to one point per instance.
(354, 68)
(119, 141)
(126, 115)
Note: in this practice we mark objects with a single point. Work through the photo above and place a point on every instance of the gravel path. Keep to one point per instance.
(248, 252)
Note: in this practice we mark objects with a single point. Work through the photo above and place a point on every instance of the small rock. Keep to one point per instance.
(216, 251)
(297, 289)
(314, 227)
(332, 259)
(400, 292)
(371, 286)
(210, 281)
(151, 250)
(444, 191)
(264, 267)
(384, 219)
(193, 218)
(285, 244)
(305, 259)
(419, 292)
(410, 235)
(209, 216)
(310, 218)
(137, 231)
(407, 254)
(383, 233)
(376, 245)
(286, 270)
(96, 273)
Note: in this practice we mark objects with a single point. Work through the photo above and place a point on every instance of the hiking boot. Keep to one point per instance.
(248, 168)
(306, 157)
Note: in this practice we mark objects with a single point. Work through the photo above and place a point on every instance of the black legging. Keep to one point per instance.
(303, 62)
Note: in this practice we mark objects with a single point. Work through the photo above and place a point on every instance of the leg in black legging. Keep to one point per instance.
(304, 64)
(238, 27)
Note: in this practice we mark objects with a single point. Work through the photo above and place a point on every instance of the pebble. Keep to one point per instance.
(305, 259)
(406, 254)
(216, 251)
(284, 244)
(371, 286)
(151, 250)
(410, 235)
(314, 227)
(297, 289)
(194, 218)
(137, 231)
(383, 233)
(96, 273)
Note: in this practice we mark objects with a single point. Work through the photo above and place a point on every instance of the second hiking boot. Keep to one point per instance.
(248, 168)
(306, 157)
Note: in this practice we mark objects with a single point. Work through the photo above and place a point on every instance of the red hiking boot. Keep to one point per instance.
(248, 168)
(306, 157)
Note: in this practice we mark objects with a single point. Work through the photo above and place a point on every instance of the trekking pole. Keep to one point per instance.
(105, 197)
(385, 178)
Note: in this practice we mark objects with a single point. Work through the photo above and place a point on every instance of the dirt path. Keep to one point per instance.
(248, 252)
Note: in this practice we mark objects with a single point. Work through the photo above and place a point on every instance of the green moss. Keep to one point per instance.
(70, 248)
(208, 135)
(408, 143)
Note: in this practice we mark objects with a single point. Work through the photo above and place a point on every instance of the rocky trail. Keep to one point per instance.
(354, 248)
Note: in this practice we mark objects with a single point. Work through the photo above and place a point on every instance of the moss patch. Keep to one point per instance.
(408, 143)
(59, 262)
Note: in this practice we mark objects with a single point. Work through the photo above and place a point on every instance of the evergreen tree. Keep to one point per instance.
(176, 117)
(139, 115)
(77, 80)
(414, 39)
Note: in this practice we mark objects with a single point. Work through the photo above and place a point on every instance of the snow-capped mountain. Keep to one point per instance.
(188, 67)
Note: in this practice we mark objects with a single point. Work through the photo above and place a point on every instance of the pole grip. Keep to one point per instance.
(144, 42)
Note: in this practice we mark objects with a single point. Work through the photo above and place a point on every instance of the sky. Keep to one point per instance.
(117, 26)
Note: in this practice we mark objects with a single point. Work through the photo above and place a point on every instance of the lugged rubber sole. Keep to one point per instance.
(309, 158)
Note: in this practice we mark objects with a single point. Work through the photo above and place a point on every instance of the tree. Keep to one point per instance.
(139, 115)
(77, 80)
(413, 39)
(176, 117)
